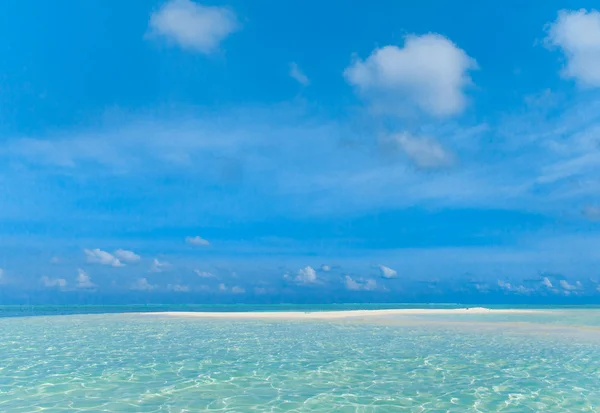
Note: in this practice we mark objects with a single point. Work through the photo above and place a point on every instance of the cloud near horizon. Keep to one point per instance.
(102, 257)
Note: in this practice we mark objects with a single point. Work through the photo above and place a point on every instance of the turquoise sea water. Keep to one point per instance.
(546, 362)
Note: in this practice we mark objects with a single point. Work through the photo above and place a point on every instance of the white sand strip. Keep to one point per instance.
(326, 315)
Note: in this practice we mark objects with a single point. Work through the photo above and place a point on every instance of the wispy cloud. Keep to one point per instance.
(193, 26)
(592, 212)
(425, 153)
(297, 74)
(204, 274)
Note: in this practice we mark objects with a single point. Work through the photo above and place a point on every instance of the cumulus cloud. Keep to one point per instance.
(546, 282)
(84, 280)
(518, 289)
(306, 275)
(237, 290)
(142, 284)
(193, 26)
(159, 266)
(102, 257)
(204, 274)
(577, 34)
(53, 282)
(325, 268)
(198, 241)
(570, 287)
(127, 256)
(359, 285)
(425, 153)
(387, 272)
(297, 74)
(429, 73)
(178, 288)
(233, 290)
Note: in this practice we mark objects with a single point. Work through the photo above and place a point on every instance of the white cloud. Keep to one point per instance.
(359, 285)
(193, 26)
(127, 256)
(577, 34)
(518, 289)
(102, 257)
(84, 280)
(1, 274)
(233, 290)
(570, 287)
(306, 275)
(159, 266)
(430, 73)
(298, 75)
(142, 284)
(53, 282)
(387, 272)
(425, 153)
(547, 283)
(197, 241)
(592, 212)
(204, 274)
(325, 268)
(178, 288)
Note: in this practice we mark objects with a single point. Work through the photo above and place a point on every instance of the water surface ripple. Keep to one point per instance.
(133, 363)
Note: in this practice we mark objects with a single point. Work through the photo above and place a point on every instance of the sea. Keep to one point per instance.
(113, 359)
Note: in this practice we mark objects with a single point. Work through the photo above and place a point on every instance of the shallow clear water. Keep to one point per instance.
(133, 363)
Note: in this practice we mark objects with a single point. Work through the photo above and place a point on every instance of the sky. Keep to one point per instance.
(262, 152)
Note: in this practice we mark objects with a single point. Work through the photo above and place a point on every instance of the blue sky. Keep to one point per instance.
(273, 151)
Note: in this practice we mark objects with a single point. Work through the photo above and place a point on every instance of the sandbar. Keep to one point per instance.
(332, 315)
